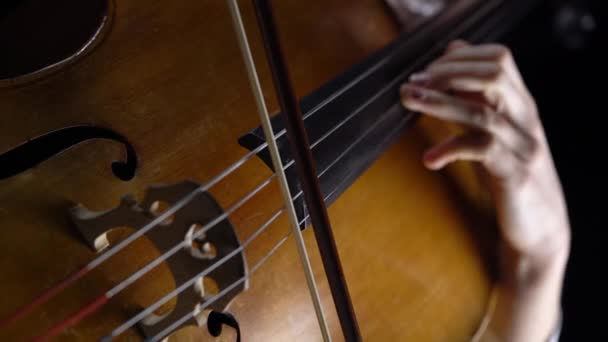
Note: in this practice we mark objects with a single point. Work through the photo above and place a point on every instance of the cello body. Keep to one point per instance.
(168, 78)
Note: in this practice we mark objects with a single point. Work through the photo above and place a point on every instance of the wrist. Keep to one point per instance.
(522, 269)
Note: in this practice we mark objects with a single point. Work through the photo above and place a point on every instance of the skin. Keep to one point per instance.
(480, 87)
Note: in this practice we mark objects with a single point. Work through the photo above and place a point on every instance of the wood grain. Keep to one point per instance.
(169, 77)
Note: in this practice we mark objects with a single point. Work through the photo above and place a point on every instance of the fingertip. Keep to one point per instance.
(421, 79)
(431, 160)
(457, 43)
(403, 93)
(461, 42)
(409, 91)
(433, 166)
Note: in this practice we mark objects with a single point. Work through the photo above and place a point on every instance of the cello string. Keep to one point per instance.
(200, 233)
(220, 294)
(150, 309)
(52, 291)
(156, 305)
(198, 309)
(138, 274)
(275, 155)
(395, 80)
(216, 297)
(135, 319)
(264, 145)
(72, 278)
(378, 94)
(78, 274)
(100, 301)
(232, 209)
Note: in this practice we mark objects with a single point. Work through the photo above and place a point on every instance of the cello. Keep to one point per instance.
(139, 195)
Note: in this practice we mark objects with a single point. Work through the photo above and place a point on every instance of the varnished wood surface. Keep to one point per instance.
(169, 77)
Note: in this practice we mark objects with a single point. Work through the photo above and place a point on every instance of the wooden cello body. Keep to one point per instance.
(168, 80)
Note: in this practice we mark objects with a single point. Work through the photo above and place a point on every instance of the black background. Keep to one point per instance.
(565, 70)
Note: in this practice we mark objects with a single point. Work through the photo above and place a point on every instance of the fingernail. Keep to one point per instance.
(432, 165)
(417, 93)
(421, 78)
(457, 43)
(414, 92)
(429, 159)
(429, 156)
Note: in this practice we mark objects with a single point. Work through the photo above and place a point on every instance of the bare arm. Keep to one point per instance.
(507, 139)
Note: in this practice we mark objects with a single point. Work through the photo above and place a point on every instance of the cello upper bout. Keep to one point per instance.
(39, 37)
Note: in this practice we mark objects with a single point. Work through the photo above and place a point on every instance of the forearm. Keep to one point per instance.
(527, 297)
(480, 87)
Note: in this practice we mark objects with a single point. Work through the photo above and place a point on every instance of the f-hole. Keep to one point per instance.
(40, 36)
(39, 149)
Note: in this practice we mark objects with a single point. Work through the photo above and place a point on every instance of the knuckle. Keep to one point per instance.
(489, 147)
(444, 109)
(489, 143)
(532, 150)
(438, 68)
(483, 117)
(523, 175)
(496, 75)
(502, 59)
(503, 54)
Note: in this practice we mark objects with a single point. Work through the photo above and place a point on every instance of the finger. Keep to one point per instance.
(462, 76)
(501, 91)
(445, 107)
(487, 52)
(485, 78)
(471, 146)
(453, 45)
(493, 53)
(497, 158)
(473, 114)
(457, 44)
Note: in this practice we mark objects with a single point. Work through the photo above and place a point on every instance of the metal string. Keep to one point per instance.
(216, 179)
(350, 116)
(335, 95)
(150, 309)
(399, 78)
(220, 294)
(256, 88)
(206, 228)
(220, 176)
(255, 85)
